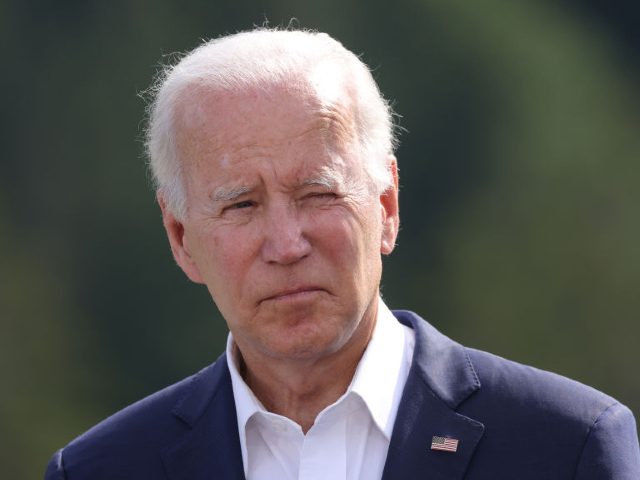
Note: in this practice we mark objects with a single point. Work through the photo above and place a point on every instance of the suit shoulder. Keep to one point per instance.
(141, 428)
(151, 408)
(518, 386)
(558, 427)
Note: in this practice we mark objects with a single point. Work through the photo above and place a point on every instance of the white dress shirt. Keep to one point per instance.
(350, 438)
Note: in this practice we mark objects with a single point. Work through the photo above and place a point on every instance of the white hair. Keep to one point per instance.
(256, 58)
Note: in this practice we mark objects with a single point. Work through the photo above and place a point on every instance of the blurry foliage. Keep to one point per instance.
(519, 198)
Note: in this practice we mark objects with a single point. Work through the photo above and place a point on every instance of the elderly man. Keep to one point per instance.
(273, 156)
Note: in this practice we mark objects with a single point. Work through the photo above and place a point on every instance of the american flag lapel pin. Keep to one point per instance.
(444, 444)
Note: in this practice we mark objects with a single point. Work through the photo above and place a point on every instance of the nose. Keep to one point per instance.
(284, 237)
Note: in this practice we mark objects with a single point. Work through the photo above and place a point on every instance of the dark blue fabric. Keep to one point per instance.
(511, 422)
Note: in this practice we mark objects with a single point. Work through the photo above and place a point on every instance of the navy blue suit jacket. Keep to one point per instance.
(511, 421)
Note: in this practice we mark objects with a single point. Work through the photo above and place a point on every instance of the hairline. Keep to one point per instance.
(172, 184)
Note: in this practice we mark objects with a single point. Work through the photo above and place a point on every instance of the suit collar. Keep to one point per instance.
(443, 365)
(210, 447)
(441, 378)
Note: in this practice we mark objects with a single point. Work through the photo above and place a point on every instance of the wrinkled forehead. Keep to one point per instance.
(268, 113)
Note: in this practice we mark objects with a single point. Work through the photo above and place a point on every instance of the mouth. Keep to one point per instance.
(294, 294)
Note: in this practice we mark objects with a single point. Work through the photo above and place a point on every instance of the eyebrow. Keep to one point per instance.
(327, 179)
(226, 194)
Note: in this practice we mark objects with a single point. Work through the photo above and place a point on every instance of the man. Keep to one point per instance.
(273, 157)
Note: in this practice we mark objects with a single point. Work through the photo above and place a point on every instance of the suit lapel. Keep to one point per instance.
(210, 448)
(440, 379)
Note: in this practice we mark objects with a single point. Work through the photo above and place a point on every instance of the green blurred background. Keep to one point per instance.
(519, 172)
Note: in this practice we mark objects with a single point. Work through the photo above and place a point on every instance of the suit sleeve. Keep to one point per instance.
(55, 468)
(611, 449)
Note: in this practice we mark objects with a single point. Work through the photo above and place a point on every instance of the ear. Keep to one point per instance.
(390, 210)
(178, 242)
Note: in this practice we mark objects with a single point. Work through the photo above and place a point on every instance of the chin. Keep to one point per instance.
(305, 342)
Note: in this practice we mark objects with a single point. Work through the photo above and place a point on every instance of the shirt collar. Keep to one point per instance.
(378, 380)
(382, 372)
(247, 404)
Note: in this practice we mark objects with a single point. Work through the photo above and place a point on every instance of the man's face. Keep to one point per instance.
(282, 225)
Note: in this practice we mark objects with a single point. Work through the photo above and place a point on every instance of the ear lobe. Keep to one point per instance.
(390, 210)
(178, 242)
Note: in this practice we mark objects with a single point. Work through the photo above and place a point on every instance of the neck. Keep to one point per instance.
(300, 390)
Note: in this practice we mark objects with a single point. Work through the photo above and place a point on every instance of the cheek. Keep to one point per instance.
(333, 230)
(220, 256)
(353, 241)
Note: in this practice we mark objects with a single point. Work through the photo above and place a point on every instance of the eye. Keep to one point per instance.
(322, 195)
(243, 205)
(320, 199)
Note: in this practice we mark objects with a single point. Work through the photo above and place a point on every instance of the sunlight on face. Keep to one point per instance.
(282, 225)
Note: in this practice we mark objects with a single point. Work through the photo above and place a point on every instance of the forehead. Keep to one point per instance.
(274, 120)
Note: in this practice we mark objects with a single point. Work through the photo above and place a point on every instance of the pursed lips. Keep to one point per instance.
(293, 293)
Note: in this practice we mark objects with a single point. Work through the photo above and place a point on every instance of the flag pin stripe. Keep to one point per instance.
(444, 444)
